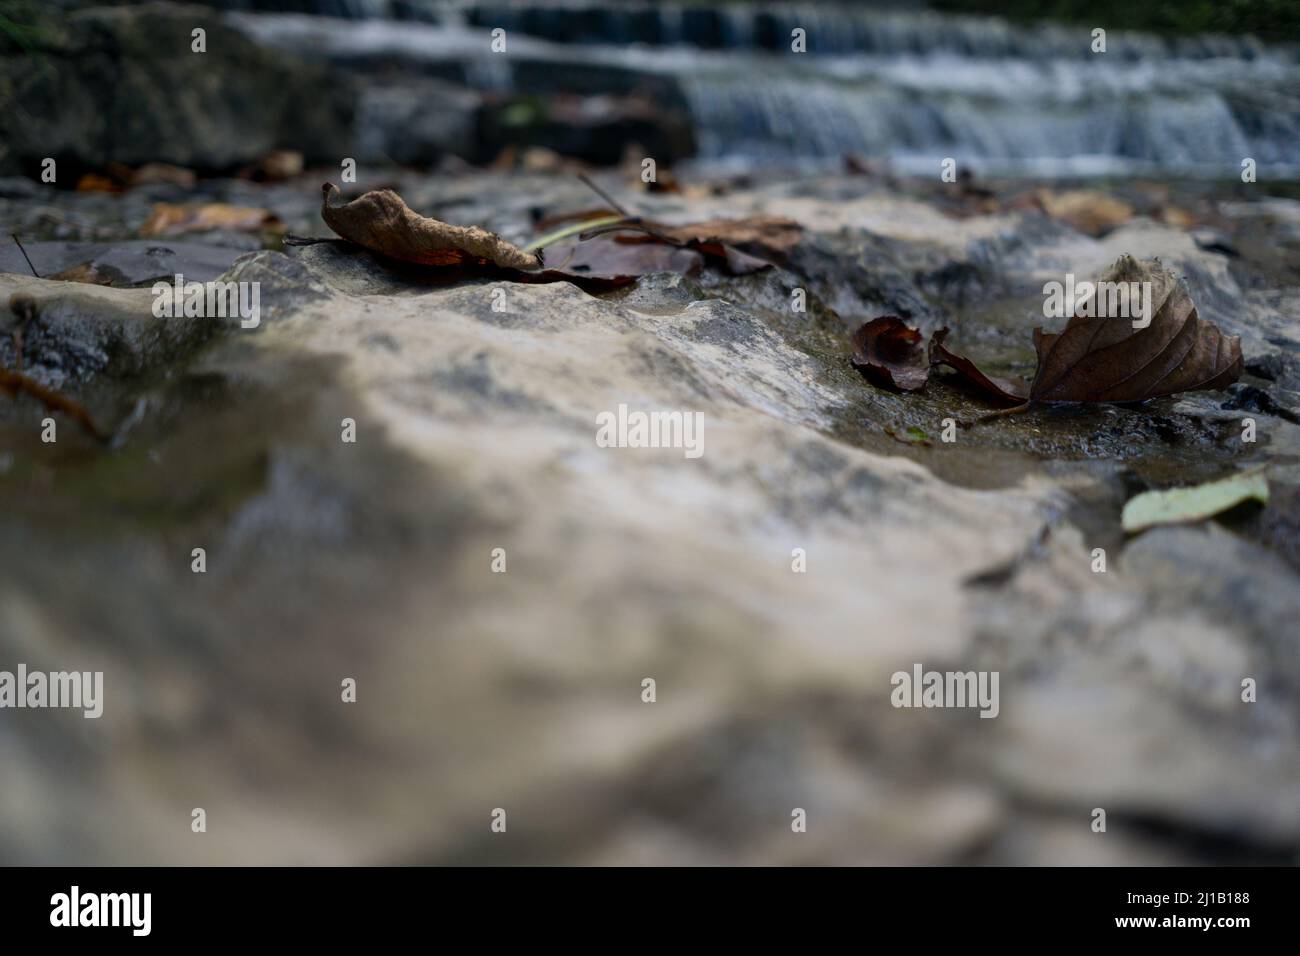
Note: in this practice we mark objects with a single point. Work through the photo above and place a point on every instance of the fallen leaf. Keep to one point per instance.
(539, 159)
(601, 249)
(890, 354)
(664, 182)
(592, 280)
(15, 383)
(736, 261)
(772, 236)
(275, 166)
(506, 160)
(91, 273)
(1105, 359)
(1176, 216)
(381, 222)
(999, 388)
(1088, 210)
(97, 183)
(744, 245)
(603, 257)
(1178, 505)
(25, 311)
(152, 173)
(911, 435)
(170, 219)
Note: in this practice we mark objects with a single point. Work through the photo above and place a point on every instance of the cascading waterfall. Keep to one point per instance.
(906, 85)
(1062, 116)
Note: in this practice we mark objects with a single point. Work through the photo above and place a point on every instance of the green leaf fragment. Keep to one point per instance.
(1195, 503)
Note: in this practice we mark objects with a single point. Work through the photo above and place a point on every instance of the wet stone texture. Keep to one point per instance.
(522, 690)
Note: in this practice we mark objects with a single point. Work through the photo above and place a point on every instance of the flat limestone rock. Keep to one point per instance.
(769, 587)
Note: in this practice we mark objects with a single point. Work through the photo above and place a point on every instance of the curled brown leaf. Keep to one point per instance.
(891, 354)
(381, 222)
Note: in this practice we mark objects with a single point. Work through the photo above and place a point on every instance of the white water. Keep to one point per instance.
(909, 87)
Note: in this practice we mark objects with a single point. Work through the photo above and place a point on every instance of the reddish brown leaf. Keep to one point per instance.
(1001, 389)
(736, 261)
(97, 183)
(381, 222)
(591, 279)
(603, 257)
(890, 354)
(772, 237)
(151, 173)
(91, 273)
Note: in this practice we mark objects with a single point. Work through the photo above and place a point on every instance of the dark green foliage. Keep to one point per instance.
(1274, 20)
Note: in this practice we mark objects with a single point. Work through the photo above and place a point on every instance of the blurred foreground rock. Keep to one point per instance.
(522, 690)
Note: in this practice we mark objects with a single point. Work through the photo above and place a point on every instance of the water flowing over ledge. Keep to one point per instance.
(907, 86)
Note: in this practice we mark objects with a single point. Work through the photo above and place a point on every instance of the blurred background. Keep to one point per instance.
(407, 82)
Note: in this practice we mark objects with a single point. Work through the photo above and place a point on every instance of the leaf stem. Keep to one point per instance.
(613, 204)
(572, 229)
(1016, 410)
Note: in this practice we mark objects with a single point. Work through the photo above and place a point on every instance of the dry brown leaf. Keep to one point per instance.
(97, 183)
(90, 273)
(591, 276)
(381, 222)
(736, 261)
(890, 354)
(1107, 358)
(151, 173)
(775, 234)
(764, 237)
(1176, 216)
(170, 219)
(1088, 210)
(275, 166)
(604, 258)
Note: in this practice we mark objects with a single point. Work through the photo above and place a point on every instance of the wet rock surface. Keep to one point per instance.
(476, 430)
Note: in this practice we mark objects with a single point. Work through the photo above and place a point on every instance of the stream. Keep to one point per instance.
(907, 86)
